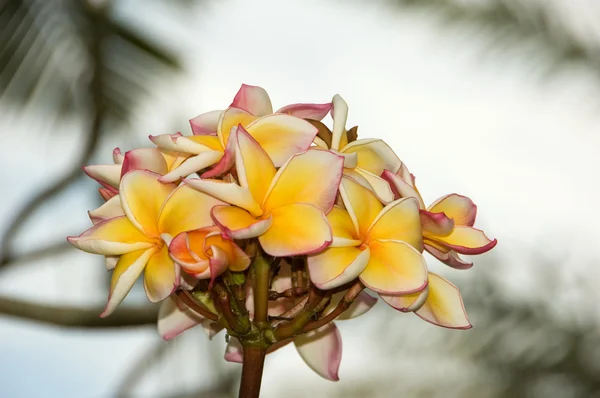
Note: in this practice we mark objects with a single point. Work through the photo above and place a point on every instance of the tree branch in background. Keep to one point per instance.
(77, 317)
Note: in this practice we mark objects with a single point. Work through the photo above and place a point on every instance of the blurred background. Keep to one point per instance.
(495, 99)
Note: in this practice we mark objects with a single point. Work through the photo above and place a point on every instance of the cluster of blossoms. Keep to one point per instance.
(270, 225)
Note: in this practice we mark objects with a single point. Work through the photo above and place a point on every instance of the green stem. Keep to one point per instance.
(261, 289)
(252, 370)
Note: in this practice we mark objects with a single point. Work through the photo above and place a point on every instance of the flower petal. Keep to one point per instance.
(253, 99)
(181, 252)
(234, 352)
(237, 223)
(401, 188)
(111, 262)
(110, 209)
(378, 185)
(395, 267)
(186, 209)
(192, 165)
(321, 349)
(297, 229)
(227, 160)
(228, 192)
(230, 118)
(144, 159)
(310, 177)
(255, 169)
(374, 155)
(142, 197)
(107, 193)
(449, 258)
(111, 237)
(161, 276)
(407, 302)
(307, 111)
(172, 321)
(337, 266)
(398, 221)
(205, 123)
(343, 230)
(118, 157)
(437, 224)
(282, 136)
(128, 269)
(362, 204)
(459, 208)
(444, 306)
(108, 175)
(339, 112)
(466, 240)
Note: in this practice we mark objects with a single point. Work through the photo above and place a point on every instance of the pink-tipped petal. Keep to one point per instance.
(378, 185)
(310, 177)
(438, 224)
(206, 123)
(401, 188)
(150, 159)
(237, 223)
(362, 204)
(111, 209)
(394, 267)
(449, 258)
(444, 305)
(321, 349)
(161, 276)
(107, 193)
(398, 221)
(282, 136)
(253, 99)
(466, 240)
(192, 165)
(337, 266)
(111, 237)
(459, 208)
(234, 352)
(228, 192)
(406, 302)
(229, 119)
(227, 160)
(108, 175)
(254, 167)
(307, 111)
(172, 321)
(361, 305)
(118, 156)
(128, 269)
(339, 112)
(374, 155)
(296, 229)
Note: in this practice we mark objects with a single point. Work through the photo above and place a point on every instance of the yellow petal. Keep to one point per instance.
(142, 197)
(192, 165)
(378, 185)
(374, 156)
(238, 223)
(465, 240)
(186, 209)
(282, 136)
(311, 177)
(208, 141)
(444, 306)
(297, 229)
(231, 117)
(459, 208)
(343, 230)
(229, 192)
(111, 237)
(255, 169)
(339, 114)
(362, 204)
(406, 302)
(237, 259)
(394, 268)
(399, 220)
(161, 276)
(337, 266)
(128, 269)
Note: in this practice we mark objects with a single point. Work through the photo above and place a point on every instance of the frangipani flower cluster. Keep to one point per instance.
(270, 225)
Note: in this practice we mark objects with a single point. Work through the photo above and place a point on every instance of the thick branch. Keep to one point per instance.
(79, 317)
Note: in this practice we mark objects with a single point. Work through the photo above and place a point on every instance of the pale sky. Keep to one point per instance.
(524, 151)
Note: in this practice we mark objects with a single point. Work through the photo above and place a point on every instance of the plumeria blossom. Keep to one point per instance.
(252, 109)
(380, 245)
(364, 159)
(272, 227)
(153, 214)
(284, 208)
(447, 223)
